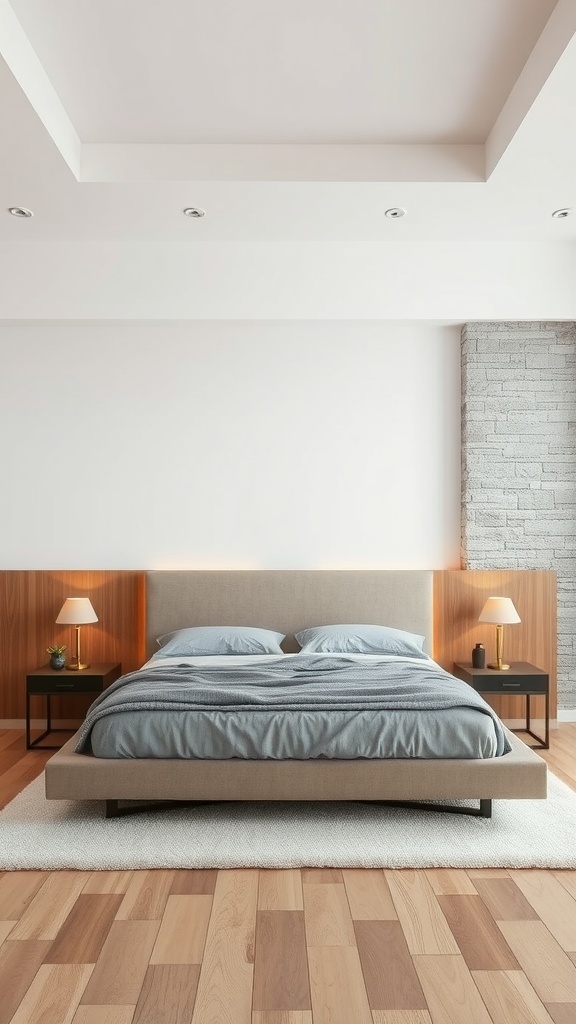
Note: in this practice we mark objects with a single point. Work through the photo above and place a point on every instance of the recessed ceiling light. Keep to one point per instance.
(194, 211)
(20, 211)
(395, 212)
(566, 211)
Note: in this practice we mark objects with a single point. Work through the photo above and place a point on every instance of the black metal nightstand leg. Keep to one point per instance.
(27, 721)
(523, 679)
(37, 743)
(47, 683)
(541, 744)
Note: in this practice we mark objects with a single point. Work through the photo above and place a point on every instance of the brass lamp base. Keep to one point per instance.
(76, 665)
(499, 664)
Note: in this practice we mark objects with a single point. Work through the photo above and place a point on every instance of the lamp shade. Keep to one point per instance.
(500, 611)
(76, 611)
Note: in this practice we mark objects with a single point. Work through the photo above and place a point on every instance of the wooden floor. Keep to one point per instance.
(286, 947)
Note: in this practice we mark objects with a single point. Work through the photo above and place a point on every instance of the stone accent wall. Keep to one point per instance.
(519, 461)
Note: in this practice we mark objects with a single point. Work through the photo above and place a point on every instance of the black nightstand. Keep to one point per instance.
(521, 678)
(49, 682)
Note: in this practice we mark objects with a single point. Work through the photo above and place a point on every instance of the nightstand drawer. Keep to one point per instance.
(64, 684)
(521, 677)
(508, 683)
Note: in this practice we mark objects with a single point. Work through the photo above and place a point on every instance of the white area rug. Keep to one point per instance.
(50, 834)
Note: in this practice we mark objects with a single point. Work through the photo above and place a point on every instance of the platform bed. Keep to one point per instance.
(291, 600)
(520, 774)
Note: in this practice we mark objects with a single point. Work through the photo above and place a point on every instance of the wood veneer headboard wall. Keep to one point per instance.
(459, 596)
(30, 601)
(29, 604)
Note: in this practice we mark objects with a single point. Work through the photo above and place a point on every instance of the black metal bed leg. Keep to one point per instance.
(112, 809)
(484, 810)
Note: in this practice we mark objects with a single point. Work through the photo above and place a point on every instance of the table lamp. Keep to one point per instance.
(76, 611)
(500, 611)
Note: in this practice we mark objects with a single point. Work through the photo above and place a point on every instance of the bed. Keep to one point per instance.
(289, 601)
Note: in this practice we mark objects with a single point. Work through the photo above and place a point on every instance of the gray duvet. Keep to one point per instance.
(300, 707)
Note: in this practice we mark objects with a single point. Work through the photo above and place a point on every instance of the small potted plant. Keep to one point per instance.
(57, 654)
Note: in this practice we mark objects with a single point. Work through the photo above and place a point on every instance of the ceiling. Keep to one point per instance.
(288, 120)
(283, 71)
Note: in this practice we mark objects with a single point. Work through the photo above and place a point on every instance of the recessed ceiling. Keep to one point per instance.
(283, 71)
(158, 71)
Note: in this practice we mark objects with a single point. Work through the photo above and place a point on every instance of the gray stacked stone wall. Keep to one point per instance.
(519, 461)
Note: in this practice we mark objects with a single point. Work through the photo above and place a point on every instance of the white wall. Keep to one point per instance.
(215, 444)
(344, 280)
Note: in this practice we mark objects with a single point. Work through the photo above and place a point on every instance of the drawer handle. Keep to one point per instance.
(64, 686)
(509, 684)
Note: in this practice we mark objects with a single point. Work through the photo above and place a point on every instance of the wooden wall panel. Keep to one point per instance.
(31, 600)
(459, 596)
(29, 604)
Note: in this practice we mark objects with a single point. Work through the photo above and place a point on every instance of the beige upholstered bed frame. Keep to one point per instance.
(288, 601)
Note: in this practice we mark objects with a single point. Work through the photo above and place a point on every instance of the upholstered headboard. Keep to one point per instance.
(287, 600)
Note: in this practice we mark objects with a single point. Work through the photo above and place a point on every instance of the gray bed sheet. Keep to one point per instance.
(454, 733)
(314, 708)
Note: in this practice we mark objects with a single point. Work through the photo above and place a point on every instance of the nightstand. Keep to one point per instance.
(521, 678)
(49, 682)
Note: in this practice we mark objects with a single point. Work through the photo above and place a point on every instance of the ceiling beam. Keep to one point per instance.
(558, 32)
(21, 58)
(141, 162)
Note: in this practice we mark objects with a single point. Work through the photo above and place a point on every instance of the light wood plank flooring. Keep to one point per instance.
(286, 947)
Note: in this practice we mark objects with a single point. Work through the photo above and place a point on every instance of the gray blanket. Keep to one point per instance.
(306, 683)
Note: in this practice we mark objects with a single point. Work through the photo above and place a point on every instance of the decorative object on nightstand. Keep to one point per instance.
(48, 683)
(521, 678)
(500, 611)
(76, 611)
(479, 656)
(57, 656)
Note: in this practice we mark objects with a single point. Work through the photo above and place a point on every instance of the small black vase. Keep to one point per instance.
(479, 656)
(57, 661)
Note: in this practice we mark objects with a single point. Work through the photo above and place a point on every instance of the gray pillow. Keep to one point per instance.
(360, 639)
(197, 641)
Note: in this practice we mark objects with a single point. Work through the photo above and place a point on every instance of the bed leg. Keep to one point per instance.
(485, 808)
(112, 809)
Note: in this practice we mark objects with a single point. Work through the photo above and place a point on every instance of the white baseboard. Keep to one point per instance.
(38, 723)
(567, 716)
